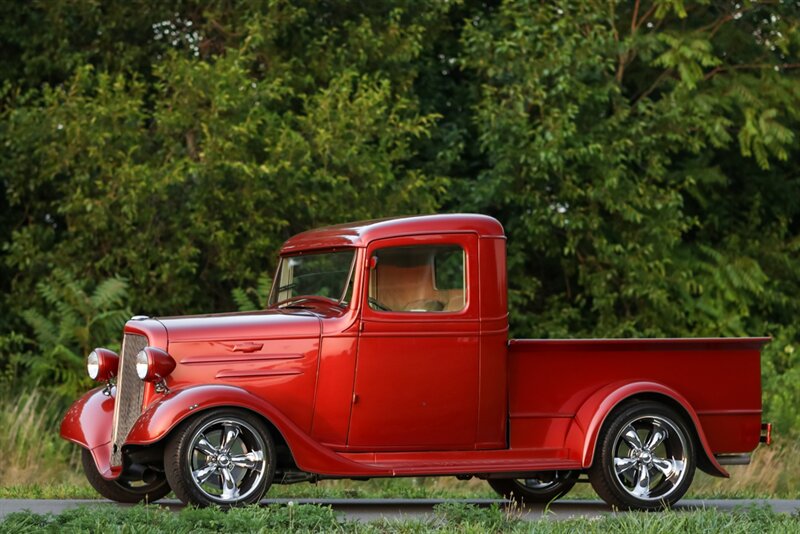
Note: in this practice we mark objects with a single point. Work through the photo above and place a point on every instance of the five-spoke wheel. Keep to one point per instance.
(542, 487)
(645, 457)
(223, 457)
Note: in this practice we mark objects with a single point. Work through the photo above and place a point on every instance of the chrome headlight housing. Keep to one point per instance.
(153, 364)
(102, 364)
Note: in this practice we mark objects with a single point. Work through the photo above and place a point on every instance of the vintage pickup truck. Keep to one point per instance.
(384, 352)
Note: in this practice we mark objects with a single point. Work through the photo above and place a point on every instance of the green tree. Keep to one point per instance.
(605, 126)
(253, 298)
(640, 156)
(76, 321)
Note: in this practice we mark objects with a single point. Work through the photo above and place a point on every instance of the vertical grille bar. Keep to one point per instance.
(130, 391)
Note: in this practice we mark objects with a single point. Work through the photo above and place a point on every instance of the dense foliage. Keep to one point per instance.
(642, 156)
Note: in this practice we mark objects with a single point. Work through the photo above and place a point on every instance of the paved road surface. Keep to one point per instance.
(374, 509)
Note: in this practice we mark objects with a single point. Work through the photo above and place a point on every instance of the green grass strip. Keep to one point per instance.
(450, 517)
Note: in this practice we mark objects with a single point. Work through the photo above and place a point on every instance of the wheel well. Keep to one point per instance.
(703, 461)
(285, 459)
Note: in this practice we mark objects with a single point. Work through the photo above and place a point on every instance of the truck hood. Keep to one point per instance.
(240, 326)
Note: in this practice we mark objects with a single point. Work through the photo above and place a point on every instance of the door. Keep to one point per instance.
(416, 383)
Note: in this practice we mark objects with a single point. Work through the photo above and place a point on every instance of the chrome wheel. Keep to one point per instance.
(644, 458)
(542, 487)
(224, 456)
(650, 457)
(227, 460)
(536, 484)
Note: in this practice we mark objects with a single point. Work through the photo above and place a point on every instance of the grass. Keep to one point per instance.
(33, 453)
(399, 488)
(32, 448)
(773, 473)
(447, 518)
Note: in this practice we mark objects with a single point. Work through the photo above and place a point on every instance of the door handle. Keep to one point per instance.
(247, 347)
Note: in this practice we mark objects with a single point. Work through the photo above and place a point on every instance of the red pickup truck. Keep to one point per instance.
(384, 352)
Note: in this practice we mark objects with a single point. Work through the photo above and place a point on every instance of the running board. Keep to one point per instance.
(466, 462)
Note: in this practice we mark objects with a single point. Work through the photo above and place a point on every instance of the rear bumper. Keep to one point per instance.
(733, 459)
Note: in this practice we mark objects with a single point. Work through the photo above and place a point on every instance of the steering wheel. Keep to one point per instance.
(375, 305)
(427, 305)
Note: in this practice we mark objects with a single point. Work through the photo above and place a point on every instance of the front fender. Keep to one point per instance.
(590, 418)
(163, 416)
(88, 420)
(88, 423)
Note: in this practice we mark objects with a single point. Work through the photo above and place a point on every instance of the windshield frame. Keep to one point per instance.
(349, 282)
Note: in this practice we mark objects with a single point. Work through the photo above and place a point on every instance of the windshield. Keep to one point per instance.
(321, 274)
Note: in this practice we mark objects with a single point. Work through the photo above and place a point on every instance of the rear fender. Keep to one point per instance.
(164, 415)
(589, 419)
(88, 423)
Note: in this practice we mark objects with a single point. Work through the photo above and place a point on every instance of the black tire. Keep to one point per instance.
(545, 488)
(651, 468)
(214, 477)
(122, 490)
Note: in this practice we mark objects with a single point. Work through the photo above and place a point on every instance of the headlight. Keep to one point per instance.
(102, 364)
(141, 364)
(93, 365)
(153, 364)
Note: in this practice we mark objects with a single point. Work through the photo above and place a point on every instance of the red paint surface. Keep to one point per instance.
(674, 367)
(88, 423)
(359, 392)
(88, 420)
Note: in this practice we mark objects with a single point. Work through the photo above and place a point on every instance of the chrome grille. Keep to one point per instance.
(130, 390)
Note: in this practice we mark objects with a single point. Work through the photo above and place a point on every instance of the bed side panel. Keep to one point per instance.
(549, 381)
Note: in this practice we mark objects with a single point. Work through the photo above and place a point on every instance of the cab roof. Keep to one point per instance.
(359, 233)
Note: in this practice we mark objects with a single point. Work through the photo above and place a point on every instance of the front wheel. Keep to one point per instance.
(123, 490)
(223, 457)
(545, 487)
(645, 457)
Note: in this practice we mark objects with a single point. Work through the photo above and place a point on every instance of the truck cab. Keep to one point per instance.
(427, 316)
(384, 352)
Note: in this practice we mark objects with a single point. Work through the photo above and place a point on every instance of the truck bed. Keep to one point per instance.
(553, 382)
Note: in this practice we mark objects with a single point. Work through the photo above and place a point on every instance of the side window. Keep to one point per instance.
(418, 278)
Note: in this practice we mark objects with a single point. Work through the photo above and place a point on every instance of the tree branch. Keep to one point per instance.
(635, 15)
(646, 16)
(717, 25)
(653, 86)
(749, 66)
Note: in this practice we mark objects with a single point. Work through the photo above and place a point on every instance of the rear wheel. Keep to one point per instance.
(223, 457)
(547, 486)
(645, 457)
(119, 490)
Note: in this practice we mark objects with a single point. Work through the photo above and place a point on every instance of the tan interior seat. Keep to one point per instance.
(456, 300)
(403, 288)
(407, 283)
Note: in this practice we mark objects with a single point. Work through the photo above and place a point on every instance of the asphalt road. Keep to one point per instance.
(374, 509)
